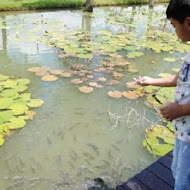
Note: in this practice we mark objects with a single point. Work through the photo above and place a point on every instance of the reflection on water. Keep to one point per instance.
(73, 139)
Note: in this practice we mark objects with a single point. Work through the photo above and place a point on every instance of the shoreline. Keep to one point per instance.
(62, 6)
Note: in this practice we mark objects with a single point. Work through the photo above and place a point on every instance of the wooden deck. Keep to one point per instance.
(157, 176)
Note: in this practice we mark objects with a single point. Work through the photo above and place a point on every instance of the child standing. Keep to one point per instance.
(178, 12)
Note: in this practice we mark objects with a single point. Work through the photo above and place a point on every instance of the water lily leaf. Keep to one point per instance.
(170, 59)
(103, 79)
(34, 69)
(163, 75)
(132, 95)
(176, 70)
(113, 82)
(66, 74)
(5, 103)
(9, 83)
(132, 85)
(25, 96)
(42, 73)
(149, 89)
(93, 84)
(34, 103)
(117, 75)
(76, 81)
(85, 56)
(170, 126)
(17, 123)
(20, 88)
(152, 142)
(29, 115)
(9, 93)
(23, 81)
(85, 89)
(18, 109)
(3, 77)
(5, 116)
(56, 71)
(1, 140)
(115, 94)
(90, 76)
(49, 78)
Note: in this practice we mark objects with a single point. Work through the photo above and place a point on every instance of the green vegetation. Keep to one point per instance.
(46, 4)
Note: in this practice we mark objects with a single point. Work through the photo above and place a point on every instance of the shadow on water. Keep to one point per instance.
(99, 184)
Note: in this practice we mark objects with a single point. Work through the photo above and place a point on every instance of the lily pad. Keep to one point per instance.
(34, 69)
(132, 95)
(34, 103)
(170, 59)
(5, 103)
(3, 77)
(115, 94)
(76, 81)
(17, 123)
(85, 89)
(85, 56)
(49, 78)
(18, 109)
(23, 81)
(2, 140)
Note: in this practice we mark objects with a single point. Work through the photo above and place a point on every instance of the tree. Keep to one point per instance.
(89, 6)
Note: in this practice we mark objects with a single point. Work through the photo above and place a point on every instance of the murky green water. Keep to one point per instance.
(72, 139)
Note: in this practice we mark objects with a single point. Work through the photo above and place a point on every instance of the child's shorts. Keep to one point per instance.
(181, 165)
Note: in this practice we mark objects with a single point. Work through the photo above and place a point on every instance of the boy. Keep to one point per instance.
(178, 12)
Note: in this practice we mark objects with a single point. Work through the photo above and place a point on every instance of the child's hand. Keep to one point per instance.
(171, 111)
(144, 81)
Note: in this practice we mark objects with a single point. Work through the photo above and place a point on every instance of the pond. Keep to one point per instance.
(76, 137)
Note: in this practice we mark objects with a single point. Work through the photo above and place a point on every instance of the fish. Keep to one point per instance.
(115, 147)
(73, 126)
(49, 140)
(74, 155)
(94, 148)
(89, 156)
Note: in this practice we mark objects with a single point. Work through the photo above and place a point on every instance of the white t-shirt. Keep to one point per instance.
(182, 96)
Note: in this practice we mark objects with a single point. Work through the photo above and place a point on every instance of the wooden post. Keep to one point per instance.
(151, 3)
(89, 6)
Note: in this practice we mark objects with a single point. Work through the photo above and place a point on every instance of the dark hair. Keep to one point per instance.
(178, 10)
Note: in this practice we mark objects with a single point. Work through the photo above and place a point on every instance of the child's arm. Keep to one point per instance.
(171, 111)
(165, 82)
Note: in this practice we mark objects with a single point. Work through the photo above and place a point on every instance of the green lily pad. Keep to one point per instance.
(164, 75)
(9, 83)
(170, 59)
(6, 116)
(18, 109)
(5, 103)
(85, 56)
(3, 77)
(2, 140)
(10, 93)
(153, 144)
(25, 96)
(34, 103)
(20, 88)
(23, 81)
(17, 123)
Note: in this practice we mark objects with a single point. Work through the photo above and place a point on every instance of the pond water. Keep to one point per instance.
(73, 139)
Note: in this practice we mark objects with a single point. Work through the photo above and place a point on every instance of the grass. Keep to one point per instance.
(47, 4)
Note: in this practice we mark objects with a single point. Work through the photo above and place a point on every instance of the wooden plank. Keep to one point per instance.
(152, 181)
(120, 187)
(166, 161)
(162, 172)
(170, 154)
(134, 184)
